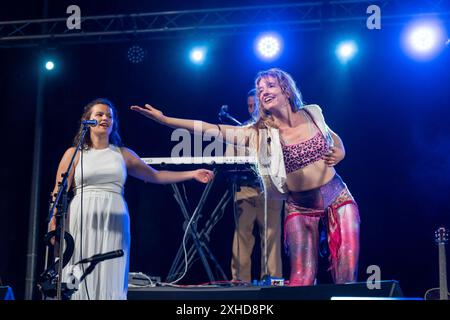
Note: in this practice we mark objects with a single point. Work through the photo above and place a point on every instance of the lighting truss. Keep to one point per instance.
(299, 16)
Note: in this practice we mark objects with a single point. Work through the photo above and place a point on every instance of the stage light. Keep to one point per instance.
(49, 65)
(346, 50)
(268, 46)
(135, 54)
(198, 55)
(424, 39)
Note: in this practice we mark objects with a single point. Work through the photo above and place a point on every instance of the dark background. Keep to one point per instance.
(391, 112)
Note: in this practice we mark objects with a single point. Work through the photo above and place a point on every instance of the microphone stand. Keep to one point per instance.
(89, 270)
(225, 114)
(266, 277)
(61, 204)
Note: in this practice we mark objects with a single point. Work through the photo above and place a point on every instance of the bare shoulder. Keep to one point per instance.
(67, 157)
(128, 154)
(68, 154)
(126, 150)
(70, 151)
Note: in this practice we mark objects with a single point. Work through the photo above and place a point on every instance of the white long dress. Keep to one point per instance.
(102, 226)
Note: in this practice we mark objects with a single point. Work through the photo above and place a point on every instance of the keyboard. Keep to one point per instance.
(200, 160)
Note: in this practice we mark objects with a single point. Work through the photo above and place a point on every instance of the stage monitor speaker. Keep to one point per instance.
(383, 289)
(6, 293)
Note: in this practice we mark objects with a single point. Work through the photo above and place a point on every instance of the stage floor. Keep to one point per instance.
(387, 289)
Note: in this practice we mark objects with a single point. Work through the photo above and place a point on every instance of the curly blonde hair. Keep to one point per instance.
(289, 89)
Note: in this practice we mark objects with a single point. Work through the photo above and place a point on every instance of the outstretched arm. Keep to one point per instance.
(337, 152)
(225, 132)
(139, 169)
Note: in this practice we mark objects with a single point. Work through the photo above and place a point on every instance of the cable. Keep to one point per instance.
(186, 197)
(265, 232)
(432, 289)
(263, 186)
(185, 253)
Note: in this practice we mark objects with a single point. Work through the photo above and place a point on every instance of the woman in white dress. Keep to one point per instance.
(98, 216)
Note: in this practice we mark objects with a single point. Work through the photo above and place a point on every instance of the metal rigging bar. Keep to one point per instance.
(298, 16)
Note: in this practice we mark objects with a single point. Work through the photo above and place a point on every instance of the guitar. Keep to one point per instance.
(441, 293)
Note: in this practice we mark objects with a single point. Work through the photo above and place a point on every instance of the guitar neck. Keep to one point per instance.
(443, 290)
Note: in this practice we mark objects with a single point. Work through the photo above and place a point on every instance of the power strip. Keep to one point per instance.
(139, 279)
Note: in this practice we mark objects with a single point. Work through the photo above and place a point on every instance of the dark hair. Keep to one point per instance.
(114, 137)
(251, 93)
(255, 114)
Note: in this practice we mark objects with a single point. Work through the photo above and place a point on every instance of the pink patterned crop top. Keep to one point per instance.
(299, 155)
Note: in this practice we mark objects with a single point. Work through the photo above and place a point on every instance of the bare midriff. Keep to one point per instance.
(310, 177)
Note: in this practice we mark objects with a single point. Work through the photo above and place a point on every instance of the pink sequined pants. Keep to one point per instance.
(334, 204)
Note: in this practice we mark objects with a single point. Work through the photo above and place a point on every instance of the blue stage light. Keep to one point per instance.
(268, 46)
(198, 55)
(346, 50)
(424, 39)
(49, 65)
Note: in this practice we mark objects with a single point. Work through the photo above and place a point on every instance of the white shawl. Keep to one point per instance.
(270, 164)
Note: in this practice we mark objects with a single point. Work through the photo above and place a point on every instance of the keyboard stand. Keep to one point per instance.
(200, 238)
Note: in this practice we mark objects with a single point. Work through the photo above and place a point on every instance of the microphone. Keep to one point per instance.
(89, 122)
(224, 114)
(223, 111)
(102, 256)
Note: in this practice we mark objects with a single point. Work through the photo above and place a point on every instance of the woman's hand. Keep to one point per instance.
(203, 175)
(334, 156)
(150, 112)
